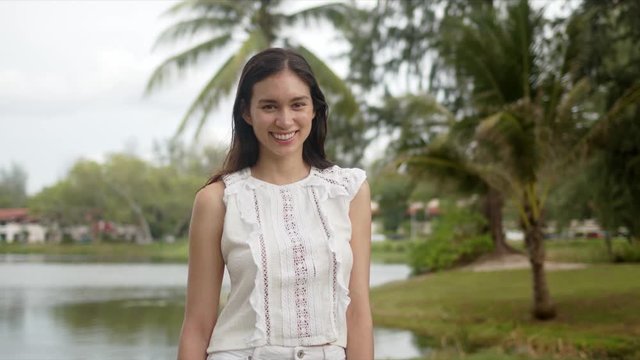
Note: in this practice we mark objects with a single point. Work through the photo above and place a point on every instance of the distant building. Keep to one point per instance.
(16, 225)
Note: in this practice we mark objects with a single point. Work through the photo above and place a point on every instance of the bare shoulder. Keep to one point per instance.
(207, 217)
(209, 198)
(363, 196)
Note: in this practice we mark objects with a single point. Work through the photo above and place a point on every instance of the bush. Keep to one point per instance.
(627, 253)
(456, 240)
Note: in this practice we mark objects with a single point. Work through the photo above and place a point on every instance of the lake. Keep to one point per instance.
(69, 308)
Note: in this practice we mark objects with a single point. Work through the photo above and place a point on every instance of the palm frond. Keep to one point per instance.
(346, 105)
(180, 62)
(188, 28)
(569, 100)
(222, 82)
(513, 142)
(226, 7)
(629, 98)
(447, 164)
(335, 13)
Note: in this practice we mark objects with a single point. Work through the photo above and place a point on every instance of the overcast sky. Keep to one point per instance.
(72, 75)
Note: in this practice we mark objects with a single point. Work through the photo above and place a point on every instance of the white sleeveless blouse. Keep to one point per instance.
(286, 248)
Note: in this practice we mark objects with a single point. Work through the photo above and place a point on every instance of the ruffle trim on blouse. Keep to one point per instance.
(335, 182)
(331, 183)
(328, 183)
(243, 191)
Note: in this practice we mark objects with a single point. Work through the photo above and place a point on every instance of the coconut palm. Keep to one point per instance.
(530, 113)
(247, 27)
(432, 143)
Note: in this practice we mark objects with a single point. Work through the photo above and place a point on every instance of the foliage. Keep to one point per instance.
(392, 251)
(606, 39)
(392, 191)
(13, 187)
(194, 159)
(627, 253)
(572, 198)
(128, 190)
(392, 44)
(456, 239)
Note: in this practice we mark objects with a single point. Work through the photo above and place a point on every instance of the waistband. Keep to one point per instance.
(269, 352)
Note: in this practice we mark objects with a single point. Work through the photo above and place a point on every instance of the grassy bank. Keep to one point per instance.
(175, 252)
(591, 251)
(599, 313)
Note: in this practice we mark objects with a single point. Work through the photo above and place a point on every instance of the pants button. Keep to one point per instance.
(300, 354)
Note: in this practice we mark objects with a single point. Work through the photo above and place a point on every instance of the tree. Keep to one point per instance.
(606, 36)
(392, 191)
(252, 26)
(532, 107)
(79, 198)
(13, 187)
(434, 142)
(508, 75)
(124, 189)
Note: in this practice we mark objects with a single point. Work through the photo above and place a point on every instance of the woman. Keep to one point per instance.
(293, 230)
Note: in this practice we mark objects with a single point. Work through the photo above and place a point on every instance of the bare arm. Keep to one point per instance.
(359, 321)
(206, 268)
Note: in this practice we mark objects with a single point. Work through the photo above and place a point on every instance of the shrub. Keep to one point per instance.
(456, 240)
(627, 253)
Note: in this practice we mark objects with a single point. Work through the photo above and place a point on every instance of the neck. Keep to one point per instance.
(280, 171)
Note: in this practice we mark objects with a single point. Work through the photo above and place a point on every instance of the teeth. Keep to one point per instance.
(286, 136)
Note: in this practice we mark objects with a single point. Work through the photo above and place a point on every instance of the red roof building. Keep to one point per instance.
(15, 215)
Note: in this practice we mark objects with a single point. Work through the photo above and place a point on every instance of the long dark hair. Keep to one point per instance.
(244, 148)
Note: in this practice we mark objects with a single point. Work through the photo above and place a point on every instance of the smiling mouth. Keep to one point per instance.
(283, 136)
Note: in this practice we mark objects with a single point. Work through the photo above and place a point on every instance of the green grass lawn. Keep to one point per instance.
(583, 250)
(598, 313)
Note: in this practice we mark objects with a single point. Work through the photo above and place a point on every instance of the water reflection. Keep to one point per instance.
(123, 321)
(117, 311)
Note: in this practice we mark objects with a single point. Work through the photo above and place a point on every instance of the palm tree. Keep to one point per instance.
(517, 108)
(248, 27)
(432, 143)
(530, 109)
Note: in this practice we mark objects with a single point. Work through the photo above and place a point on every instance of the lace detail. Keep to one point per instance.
(337, 182)
(330, 174)
(265, 272)
(301, 290)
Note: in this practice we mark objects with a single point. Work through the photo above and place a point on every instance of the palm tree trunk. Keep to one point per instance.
(492, 209)
(543, 308)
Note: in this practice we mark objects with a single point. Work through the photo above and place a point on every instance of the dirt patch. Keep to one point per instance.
(513, 262)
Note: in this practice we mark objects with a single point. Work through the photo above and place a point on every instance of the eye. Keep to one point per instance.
(268, 107)
(299, 105)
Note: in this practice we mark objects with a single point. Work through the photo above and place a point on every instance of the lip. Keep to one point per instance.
(283, 140)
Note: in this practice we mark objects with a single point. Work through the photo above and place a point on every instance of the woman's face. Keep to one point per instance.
(281, 113)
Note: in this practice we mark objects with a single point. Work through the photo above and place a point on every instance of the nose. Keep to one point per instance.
(285, 119)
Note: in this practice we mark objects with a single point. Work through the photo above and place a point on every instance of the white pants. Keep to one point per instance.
(267, 352)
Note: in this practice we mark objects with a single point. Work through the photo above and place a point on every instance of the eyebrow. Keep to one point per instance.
(297, 98)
